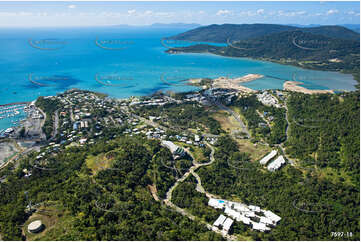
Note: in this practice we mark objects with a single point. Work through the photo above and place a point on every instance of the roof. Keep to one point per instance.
(215, 203)
(260, 226)
(266, 220)
(245, 220)
(268, 157)
(272, 216)
(254, 208)
(227, 224)
(35, 225)
(276, 164)
(220, 220)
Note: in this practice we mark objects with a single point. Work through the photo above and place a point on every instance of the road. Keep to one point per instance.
(196, 165)
(292, 162)
(55, 125)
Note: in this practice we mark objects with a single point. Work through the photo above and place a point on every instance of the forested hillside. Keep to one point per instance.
(111, 203)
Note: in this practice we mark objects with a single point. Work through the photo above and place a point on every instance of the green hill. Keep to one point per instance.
(221, 33)
(295, 47)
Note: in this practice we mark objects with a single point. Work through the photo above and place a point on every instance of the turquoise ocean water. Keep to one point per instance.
(124, 62)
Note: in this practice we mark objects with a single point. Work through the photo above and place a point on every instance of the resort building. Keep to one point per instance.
(275, 218)
(174, 149)
(220, 220)
(260, 227)
(227, 225)
(268, 157)
(216, 203)
(276, 164)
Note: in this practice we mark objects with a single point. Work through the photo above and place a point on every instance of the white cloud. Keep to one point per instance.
(72, 6)
(332, 11)
(247, 13)
(223, 12)
(291, 14)
(201, 12)
(260, 11)
(132, 11)
(353, 13)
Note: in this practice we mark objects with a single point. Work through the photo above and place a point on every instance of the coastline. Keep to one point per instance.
(234, 83)
(355, 85)
(293, 86)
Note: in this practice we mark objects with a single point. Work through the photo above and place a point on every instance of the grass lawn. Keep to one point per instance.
(228, 122)
(257, 151)
(99, 162)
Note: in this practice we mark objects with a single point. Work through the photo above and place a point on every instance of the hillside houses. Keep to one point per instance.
(268, 99)
(254, 216)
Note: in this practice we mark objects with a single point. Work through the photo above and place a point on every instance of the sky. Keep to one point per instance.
(59, 14)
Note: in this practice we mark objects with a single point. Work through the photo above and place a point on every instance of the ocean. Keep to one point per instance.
(124, 62)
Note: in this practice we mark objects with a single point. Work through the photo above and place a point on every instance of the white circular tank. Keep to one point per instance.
(35, 226)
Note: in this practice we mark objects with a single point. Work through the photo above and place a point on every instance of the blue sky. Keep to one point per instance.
(41, 14)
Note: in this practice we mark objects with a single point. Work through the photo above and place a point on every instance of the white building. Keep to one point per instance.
(250, 214)
(260, 227)
(276, 164)
(220, 220)
(241, 207)
(268, 157)
(174, 149)
(227, 225)
(254, 208)
(245, 220)
(216, 203)
(275, 218)
(232, 213)
(266, 220)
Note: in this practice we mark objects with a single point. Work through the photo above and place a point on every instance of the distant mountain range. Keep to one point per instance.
(333, 48)
(224, 32)
(353, 27)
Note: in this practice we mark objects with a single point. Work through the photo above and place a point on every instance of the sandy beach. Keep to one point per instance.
(293, 86)
(234, 83)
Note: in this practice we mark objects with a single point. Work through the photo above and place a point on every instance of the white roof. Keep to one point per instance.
(216, 203)
(245, 220)
(266, 220)
(170, 145)
(260, 226)
(227, 224)
(34, 225)
(268, 157)
(241, 207)
(254, 208)
(250, 214)
(220, 220)
(276, 164)
(272, 216)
